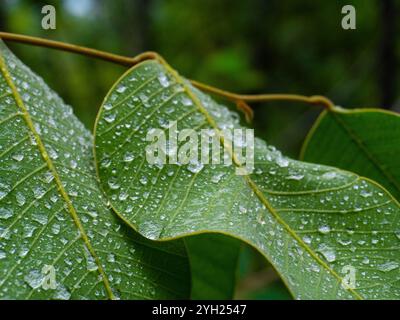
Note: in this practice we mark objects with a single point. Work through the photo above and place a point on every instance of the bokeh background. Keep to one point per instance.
(252, 46)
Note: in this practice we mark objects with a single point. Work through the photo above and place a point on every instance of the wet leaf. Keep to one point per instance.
(365, 141)
(319, 226)
(58, 239)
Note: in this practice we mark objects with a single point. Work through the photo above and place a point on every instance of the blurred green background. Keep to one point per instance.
(253, 46)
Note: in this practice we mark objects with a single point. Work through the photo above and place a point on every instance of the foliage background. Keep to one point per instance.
(269, 46)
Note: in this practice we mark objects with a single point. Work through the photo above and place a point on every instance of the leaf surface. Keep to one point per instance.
(214, 263)
(310, 221)
(58, 238)
(365, 141)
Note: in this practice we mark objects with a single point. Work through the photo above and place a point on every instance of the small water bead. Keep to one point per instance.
(217, 177)
(55, 228)
(6, 213)
(324, 229)
(129, 157)
(29, 230)
(48, 177)
(107, 106)
(328, 252)
(388, 266)
(4, 190)
(195, 167)
(105, 163)
(186, 101)
(282, 162)
(143, 180)
(329, 175)
(144, 98)
(307, 239)
(38, 192)
(110, 117)
(365, 193)
(242, 209)
(162, 78)
(53, 154)
(73, 164)
(121, 89)
(344, 242)
(34, 279)
(93, 213)
(113, 184)
(90, 261)
(123, 196)
(40, 217)
(18, 157)
(296, 177)
(365, 260)
(111, 257)
(2, 255)
(20, 199)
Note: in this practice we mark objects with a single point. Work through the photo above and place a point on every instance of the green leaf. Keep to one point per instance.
(365, 141)
(214, 262)
(58, 239)
(311, 222)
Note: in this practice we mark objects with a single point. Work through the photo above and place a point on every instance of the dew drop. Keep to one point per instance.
(38, 192)
(143, 180)
(195, 166)
(296, 177)
(123, 196)
(4, 190)
(328, 253)
(113, 184)
(121, 89)
(217, 177)
(73, 164)
(324, 229)
(388, 266)
(62, 293)
(18, 157)
(187, 102)
(128, 157)
(34, 279)
(307, 239)
(162, 78)
(6, 213)
(282, 162)
(365, 193)
(110, 118)
(107, 106)
(329, 175)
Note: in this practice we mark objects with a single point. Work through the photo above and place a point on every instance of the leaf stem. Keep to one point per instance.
(115, 58)
(240, 99)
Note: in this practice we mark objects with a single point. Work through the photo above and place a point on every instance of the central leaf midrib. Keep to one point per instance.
(251, 183)
(50, 165)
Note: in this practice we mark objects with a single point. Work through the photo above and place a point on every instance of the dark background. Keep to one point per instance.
(258, 46)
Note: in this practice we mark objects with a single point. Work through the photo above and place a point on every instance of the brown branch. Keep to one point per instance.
(239, 99)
